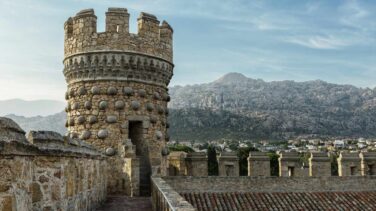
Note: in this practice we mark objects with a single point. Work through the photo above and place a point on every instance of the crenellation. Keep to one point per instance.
(349, 164)
(368, 163)
(319, 164)
(258, 164)
(117, 21)
(152, 39)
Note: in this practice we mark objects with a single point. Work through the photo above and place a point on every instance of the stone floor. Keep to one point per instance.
(126, 203)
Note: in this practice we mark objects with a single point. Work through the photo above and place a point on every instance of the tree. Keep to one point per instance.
(180, 147)
(243, 154)
(274, 164)
(212, 161)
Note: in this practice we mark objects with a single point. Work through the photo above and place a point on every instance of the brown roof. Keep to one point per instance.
(282, 200)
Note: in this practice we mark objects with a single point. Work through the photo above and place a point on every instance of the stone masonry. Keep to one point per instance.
(117, 93)
(228, 164)
(176, 164)
(319, 164)
(349, 164)
(48, 172)
(290, 165)
(197, 164)
(258, 164)
(368, 163)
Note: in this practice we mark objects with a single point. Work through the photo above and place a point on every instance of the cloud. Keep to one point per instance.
(320, 42)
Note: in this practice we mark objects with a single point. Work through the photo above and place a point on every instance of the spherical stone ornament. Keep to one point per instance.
(168, 99)
(76, 106)
(111, 90)
(167, 111)
(128, 91)
(93, 119)
(165, 151)
(160, 110)
(95, 90)
(66, 123)
(73, 135)
(153, 119)
(167, 125)
(135, 105)
(71, 92)
(149, 107)
(66, 95)
(157, 96)
(119, 104)
(88, 105)
(158, 134)
(103, 105)
(85, 135)
(111, 119)
(81, 91)
(102, 134)
(167, 137)
(141, 92)
(69, 107)
(81, 120)
(110, 151)
(71, 121)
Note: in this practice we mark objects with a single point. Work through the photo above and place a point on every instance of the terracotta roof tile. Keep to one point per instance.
(239, 201)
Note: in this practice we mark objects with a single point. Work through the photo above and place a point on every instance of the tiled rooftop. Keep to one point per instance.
(233, 201)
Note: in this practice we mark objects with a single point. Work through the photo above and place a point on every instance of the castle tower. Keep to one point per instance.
(117, 93)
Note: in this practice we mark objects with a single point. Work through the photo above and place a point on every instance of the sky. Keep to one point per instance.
(334, 40)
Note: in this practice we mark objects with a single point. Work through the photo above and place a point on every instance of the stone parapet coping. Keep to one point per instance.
(175, 201)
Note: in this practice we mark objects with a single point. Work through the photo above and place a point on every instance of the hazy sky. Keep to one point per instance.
(273, 40)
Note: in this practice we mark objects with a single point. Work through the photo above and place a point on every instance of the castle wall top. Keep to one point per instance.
(152, 39)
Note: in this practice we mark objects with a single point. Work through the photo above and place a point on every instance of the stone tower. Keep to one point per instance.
(117, 93)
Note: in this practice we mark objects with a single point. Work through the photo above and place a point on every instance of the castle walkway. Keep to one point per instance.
(126, 203)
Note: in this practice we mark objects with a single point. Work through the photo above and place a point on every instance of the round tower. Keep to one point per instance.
(117, 93)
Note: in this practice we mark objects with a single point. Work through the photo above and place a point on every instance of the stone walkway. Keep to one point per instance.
(126, 203)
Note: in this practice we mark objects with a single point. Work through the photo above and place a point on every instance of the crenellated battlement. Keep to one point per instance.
(152, 39)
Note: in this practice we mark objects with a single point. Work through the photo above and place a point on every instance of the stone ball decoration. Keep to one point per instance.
(95, 90)
(153, 119)
(110, 151)
(76, 106)
(167, 138)
(103, 105)
(66, 109)
(111, 90)
(119, 105)
(165, 151)
(71, 92)
(85, 135)
(71, 122)
(88, 105)
(167, 111)
(93, 119)
(111, 119)
(149, 107)
(66, 95)
(81, 91)
(157, 96)
(128, 91)
(168, 99)
(81, 120)
(142, 93)
(102, 134)
(158, 134)
(135, 105)
(160, 110)
(66, 123)
(73, 135)
(167, 125)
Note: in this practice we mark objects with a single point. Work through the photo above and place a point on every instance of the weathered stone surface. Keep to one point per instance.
(85, 135)
(128, 91)
(10, 131)
(119, 104)
(111, 119)
(88, 105)
(37, 137)
(103, 105)
(103, 133)
(95, 90)
(111, 90)
(110, 151)
(36, 192)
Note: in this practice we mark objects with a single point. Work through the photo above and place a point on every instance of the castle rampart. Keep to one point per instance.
(48, 171)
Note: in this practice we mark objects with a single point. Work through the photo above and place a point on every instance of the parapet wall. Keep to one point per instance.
(270, 184)
(152, 39)
(48, 172)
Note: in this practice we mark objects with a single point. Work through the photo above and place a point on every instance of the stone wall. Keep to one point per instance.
(271, 184)
(228, 164)
(48, 172)
(117, 92)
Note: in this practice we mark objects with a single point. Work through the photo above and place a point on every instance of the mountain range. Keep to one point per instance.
(237, 107)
